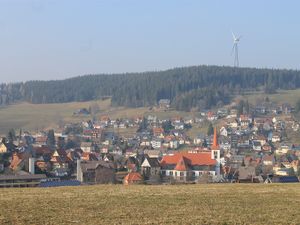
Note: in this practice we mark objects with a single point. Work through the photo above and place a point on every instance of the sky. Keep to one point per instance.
(57, 39)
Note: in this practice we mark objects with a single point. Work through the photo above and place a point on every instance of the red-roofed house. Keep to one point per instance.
(188, 166)
(133, 178)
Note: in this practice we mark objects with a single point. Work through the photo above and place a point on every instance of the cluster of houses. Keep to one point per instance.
(252, 147)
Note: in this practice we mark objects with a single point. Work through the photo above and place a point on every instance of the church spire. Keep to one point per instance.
(215, 141)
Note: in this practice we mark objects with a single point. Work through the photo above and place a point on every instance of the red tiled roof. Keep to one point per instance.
(104, 118)
(158, 130)
(203, 158)
(17, 159)
(182, 165)
(133, 176)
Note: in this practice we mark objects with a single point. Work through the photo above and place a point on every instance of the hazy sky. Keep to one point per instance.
(43, 39)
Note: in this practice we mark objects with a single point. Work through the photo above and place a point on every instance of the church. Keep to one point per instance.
(190, 166)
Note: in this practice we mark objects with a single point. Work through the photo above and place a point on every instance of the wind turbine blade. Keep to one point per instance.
(233, 35)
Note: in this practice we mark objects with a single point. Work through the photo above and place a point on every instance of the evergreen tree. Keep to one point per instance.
(210, 129)
(11, 136)
(51, 139)
(144, 124)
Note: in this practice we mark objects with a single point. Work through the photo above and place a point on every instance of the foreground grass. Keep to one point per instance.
(186, 204)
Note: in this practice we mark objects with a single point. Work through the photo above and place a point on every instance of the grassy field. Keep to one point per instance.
(282, 96)
(182, 204)
(40, 116)
(35, 117)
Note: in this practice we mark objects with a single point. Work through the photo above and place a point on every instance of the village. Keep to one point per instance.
(256, 144)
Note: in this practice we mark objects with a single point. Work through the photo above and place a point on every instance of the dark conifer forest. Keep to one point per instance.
(188, 87)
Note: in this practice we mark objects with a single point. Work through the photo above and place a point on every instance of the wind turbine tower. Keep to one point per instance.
(235, 49)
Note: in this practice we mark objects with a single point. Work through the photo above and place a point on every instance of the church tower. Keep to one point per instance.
(215, 151)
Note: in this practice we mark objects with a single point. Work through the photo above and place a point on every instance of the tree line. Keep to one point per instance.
(187, 87)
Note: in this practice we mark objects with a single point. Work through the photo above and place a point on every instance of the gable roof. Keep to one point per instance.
(153, 162)
(17, 159)
(182, 164)
(92, 165)
(191, 159)
(133, 176)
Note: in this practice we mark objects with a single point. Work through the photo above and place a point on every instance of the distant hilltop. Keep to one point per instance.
(185, 88)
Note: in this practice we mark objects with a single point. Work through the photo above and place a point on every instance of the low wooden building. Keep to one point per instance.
(30, 180)
(96, 172)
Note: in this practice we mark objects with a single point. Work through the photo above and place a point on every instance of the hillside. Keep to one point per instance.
(188, 87)
(182, 204)
(34, 117)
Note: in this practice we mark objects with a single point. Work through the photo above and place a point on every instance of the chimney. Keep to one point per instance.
(31, 165)
(79, 172)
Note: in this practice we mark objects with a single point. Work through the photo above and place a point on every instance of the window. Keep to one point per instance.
(171, 173)
(216, 154)
(163, 173)
(181, 174)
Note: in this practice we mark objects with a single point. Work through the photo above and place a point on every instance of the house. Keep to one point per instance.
(283, 149)
(3, 148)
(133, 178)
(95, 172)
(88, 156)
(145, 142)
(156, 143)
(232, 123)
(87, 146)
(223, 132)
(268, 160)
(247, 175)
(153, 153)
(105, 120)
(184, 167)
(164, 103)
(188, 120)
(150, 168)
(20, 161)
(189, 166)
(60, 166)
(211, 116)
(158, 132)
(276, 137)
(174, 144)
(41, 140)
(266, 147)
(222, 112)
(178, 125)
(256, 146)
(131, 164)
(260, 139)
(200, 139)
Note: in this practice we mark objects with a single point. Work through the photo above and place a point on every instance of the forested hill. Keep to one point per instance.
(196, 86)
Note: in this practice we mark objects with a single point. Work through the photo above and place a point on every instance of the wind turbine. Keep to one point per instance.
(235, 49)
